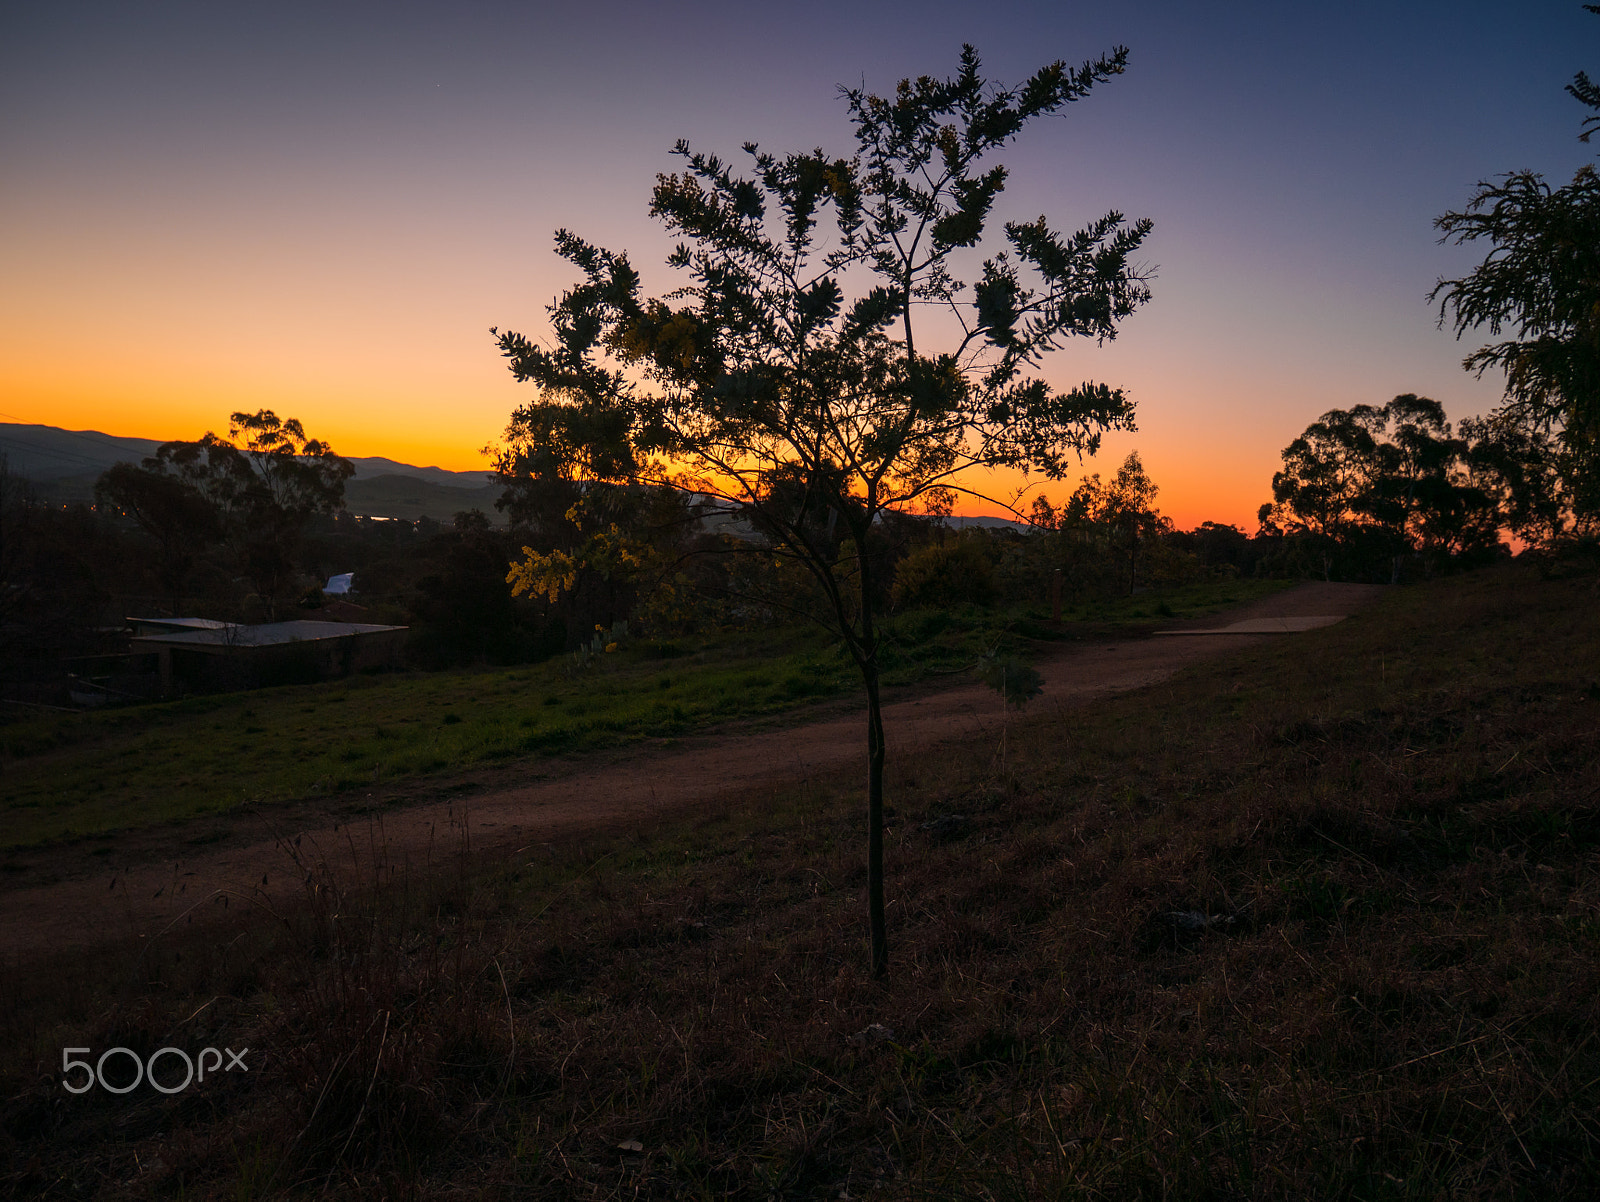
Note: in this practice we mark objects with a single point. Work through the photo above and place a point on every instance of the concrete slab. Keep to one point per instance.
(1284, 625)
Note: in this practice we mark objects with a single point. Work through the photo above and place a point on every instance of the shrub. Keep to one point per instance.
(941, 575)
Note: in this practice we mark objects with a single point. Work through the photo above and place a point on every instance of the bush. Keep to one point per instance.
(942, 575)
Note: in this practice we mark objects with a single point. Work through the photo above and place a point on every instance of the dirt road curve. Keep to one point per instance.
(155, 880)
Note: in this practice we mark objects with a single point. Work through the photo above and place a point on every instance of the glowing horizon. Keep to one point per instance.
(322, 214)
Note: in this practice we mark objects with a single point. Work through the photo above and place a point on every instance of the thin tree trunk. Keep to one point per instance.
(875, 758)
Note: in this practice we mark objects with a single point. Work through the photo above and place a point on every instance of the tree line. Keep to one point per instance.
(1381, 493)
(189, 533)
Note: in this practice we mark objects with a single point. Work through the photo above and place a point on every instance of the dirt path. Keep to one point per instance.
(155, 879)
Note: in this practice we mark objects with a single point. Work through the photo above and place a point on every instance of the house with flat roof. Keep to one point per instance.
(199, 655)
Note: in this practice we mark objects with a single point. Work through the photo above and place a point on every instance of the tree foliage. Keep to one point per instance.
(1125, 509)
(1105, 520)
(257, 497)
(1373, 485)
(790, 376)
(1539, 283)
(942, 574)
(177, 517)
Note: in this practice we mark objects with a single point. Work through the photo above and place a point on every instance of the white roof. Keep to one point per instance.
(269, 634)
(181, 623)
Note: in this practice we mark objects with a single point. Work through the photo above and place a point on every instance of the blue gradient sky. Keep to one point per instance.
(322, 208)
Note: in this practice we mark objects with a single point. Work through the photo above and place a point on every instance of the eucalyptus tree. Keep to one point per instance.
(175, 515)
(1379, 483)
(1320, 497)
(1125, 508)
(258, 497)
(1539, 283)
(821, 355)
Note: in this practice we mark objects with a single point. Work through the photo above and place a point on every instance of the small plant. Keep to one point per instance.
(1017, 683)
(602, 642)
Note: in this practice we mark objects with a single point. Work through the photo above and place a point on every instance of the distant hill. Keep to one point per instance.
(42, 453)
(375, 466)
(412, 497)
(64, 464)
(961, 523)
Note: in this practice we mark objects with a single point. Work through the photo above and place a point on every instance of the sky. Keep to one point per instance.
(322, 208)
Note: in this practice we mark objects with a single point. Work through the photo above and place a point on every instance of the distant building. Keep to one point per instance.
(198, 655)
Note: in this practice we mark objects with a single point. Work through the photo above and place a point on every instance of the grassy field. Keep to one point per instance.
(1322, 920)
(69, 775)
(98, 772)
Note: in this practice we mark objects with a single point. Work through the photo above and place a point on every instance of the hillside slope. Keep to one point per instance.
(63, 466)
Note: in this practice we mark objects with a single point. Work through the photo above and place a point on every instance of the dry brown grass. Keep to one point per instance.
(1320, 921)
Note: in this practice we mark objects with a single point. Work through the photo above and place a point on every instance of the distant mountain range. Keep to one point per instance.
(64, 464)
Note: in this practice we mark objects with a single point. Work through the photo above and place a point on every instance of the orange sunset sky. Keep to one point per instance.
(305, 208)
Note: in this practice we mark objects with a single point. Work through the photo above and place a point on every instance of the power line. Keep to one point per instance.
(67, 456)
(80, 435)
(108, 445)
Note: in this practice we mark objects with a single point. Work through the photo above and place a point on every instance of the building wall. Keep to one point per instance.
(216, 669)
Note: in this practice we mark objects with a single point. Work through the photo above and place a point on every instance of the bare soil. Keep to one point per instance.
(87, 893)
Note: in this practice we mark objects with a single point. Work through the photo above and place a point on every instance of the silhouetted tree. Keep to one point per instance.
(1520, 467)
(1219, 546)
(789, 376)
(1370, 485)
(1102, 522)
(552, 454)
(1318, 497)
(1424, 490)
(1126, 506)
(260, 496)
(295, 478)
(172, 511)
(1540, 281)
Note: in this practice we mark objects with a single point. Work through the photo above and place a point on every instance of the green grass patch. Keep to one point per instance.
(92, 773)
(88, 774)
